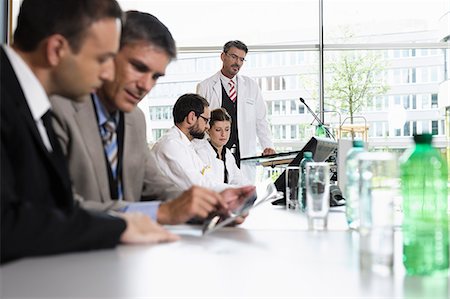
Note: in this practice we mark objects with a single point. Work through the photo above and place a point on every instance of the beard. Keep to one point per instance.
(196, 133)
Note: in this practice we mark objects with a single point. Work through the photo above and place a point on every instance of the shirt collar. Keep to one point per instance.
(223, 151)
(183, 136)
(103, 114)
(225, 79)
(35, 95)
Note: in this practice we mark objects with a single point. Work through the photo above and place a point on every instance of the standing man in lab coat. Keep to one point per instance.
(241, 97)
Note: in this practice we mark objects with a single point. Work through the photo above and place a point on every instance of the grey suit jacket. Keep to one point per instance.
(77, 129)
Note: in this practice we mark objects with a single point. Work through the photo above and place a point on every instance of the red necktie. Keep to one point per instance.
(233, 94)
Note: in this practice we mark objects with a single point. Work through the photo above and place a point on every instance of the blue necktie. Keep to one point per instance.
(111, 150)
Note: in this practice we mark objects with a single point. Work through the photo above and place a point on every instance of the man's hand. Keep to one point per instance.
(234, 197)
(195, 202)
(141, 229)
(268, 151)
(240, 219)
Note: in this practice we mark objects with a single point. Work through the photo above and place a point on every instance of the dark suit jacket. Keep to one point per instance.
(38, 214)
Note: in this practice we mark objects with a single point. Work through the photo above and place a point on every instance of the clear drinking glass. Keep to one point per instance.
(292, 187)
(378, 186)
(317, 194)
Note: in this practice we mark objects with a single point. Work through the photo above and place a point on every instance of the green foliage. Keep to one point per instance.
(354, 79)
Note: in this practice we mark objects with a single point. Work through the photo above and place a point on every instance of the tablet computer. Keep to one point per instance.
(216, 221)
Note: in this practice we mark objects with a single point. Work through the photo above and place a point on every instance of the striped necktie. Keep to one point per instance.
(111, 149)
(233, 94)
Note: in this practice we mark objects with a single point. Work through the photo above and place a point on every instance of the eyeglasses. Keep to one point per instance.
(205, 119)
(235, 57)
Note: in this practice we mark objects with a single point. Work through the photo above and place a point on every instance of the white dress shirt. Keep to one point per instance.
(177, 167)
(35, 95)
(225, 82)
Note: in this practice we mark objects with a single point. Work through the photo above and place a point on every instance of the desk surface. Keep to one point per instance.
(271, 255)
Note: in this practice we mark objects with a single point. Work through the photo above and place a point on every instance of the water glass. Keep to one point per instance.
(378, 186)
(292, 187)
(317, 194)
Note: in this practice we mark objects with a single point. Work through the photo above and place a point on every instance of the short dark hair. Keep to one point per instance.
(219, 114)
(39, 19)
(187, 103)
(235, 43)
(141, 26)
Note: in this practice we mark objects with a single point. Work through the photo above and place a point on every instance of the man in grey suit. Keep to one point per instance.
(115, 177)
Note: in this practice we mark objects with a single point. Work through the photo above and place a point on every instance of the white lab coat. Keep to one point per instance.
(208, 155)
(251, 112)
(176, 167)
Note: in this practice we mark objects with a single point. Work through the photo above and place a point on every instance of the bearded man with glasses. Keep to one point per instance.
(177, 165)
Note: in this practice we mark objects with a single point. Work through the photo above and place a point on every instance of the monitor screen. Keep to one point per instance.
(321, 149)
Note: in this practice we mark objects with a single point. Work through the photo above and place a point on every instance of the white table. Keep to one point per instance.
(272, 255)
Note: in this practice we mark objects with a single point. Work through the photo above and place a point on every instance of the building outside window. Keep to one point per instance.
(407, 38)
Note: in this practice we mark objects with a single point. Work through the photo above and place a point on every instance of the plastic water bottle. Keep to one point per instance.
(307, 157)
(320, 131)
(424, 175)
(351, 186)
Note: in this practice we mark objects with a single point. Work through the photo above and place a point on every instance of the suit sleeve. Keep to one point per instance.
(60, 126)
(148, 189)
(35, 218)
(30, 229)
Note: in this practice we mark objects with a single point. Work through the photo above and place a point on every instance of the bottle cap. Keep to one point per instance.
(358, 143)
(307, 155)
(423, 138)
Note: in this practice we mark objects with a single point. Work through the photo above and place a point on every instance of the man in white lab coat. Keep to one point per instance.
(241, 97)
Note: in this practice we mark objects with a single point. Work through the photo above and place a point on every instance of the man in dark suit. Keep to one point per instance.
(66, 48)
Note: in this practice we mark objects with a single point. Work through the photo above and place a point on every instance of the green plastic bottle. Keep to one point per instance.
(307, 157)
(352, 184)
(425, 203)
(320, 131)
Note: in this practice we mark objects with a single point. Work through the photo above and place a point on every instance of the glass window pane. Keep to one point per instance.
(434, 127)
(293, 132)
(408, 78)
(380, 21)
(434, 100)
(406, 129)
(358, 82)
(213, 22)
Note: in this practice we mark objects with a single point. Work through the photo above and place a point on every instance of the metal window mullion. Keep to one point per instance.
(321, 66)
(326, 47)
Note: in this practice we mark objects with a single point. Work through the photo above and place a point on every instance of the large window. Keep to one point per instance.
(200, 23)
(384, 21)
(379, 56)
(284, 60)
(370, 56)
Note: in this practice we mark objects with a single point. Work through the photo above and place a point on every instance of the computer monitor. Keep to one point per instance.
(321, 149)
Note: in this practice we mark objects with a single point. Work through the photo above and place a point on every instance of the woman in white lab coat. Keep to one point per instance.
(213, 152)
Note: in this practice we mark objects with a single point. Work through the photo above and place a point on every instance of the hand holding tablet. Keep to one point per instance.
(268, 193)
